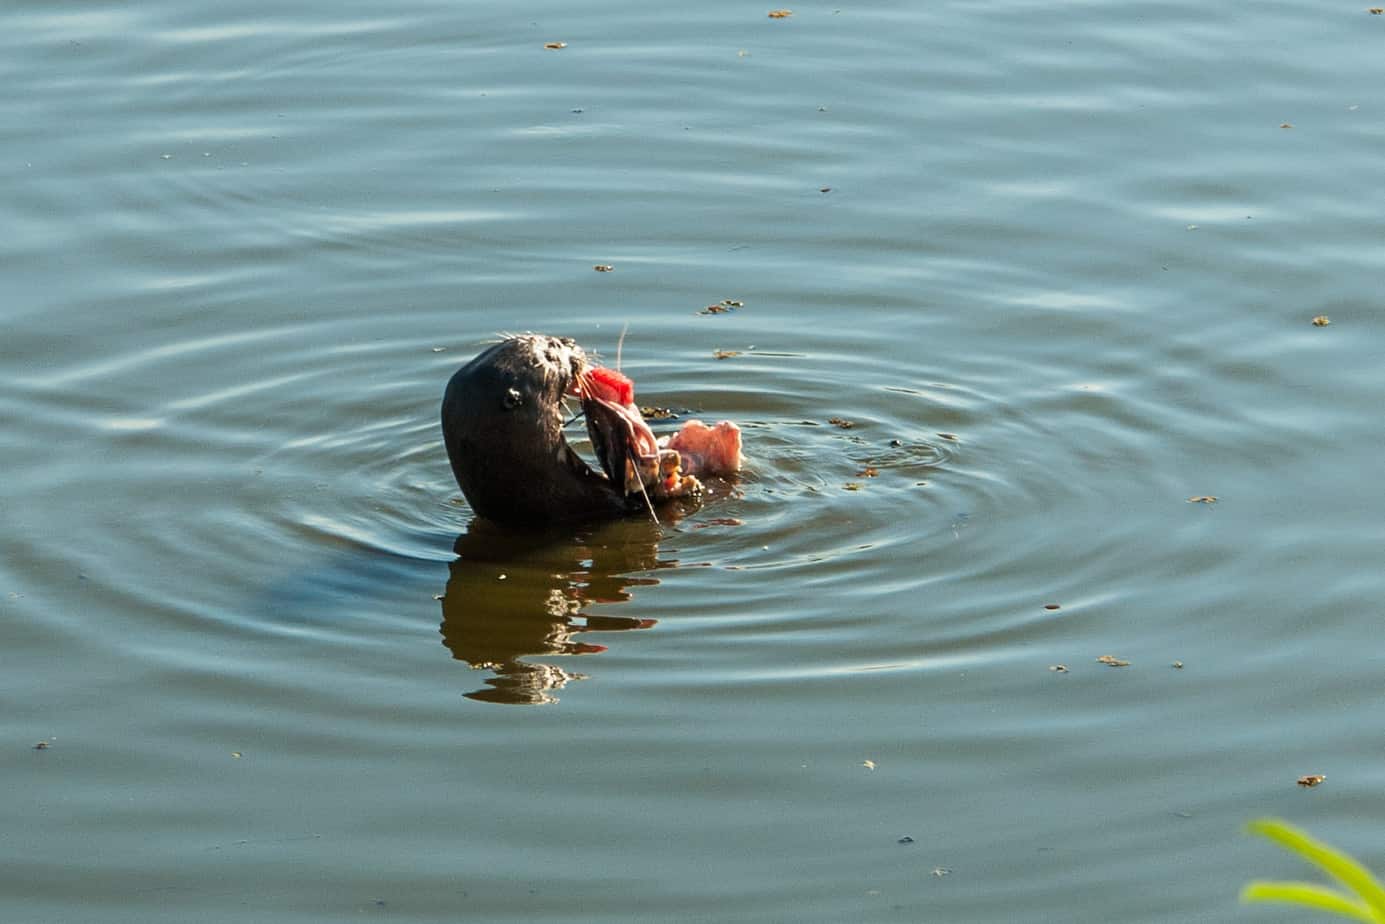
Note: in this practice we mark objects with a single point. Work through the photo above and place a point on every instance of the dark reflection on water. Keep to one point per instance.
(511, 595)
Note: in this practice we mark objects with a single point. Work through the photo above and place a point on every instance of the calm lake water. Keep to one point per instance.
(1056, 263)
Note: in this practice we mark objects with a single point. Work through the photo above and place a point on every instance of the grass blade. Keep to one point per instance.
(1309, 895)
(1334, 862)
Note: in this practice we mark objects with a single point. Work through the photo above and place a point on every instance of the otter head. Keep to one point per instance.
(502, 421)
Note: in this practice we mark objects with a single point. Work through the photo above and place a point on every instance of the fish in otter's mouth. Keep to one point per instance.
(502, 421)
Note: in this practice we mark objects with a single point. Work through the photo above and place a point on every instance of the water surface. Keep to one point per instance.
(1055, 264)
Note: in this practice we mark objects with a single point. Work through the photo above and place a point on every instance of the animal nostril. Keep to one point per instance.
(513, 398)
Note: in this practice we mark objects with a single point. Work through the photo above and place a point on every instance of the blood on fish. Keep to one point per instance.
(611, 385)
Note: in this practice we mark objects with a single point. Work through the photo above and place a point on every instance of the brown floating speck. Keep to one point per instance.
(603, 267)
(725, 354)
(1203, 499)
(1052, 606)
(1313, 779)
(1058, 668)
(1112, 661)
(780, 14)
(1321, 320)
(841, 423)
(555, 45)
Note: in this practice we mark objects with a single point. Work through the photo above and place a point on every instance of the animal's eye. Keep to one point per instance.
(513, 398)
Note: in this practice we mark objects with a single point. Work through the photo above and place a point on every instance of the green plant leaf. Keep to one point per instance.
(1335, 863)
(1309, 895)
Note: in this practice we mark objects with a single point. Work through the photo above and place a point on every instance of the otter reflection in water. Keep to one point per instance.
(512, 595)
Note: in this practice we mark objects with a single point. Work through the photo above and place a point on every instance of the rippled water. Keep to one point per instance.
(1055, 264)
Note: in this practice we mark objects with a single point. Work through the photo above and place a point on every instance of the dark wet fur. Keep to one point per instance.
(502, 421)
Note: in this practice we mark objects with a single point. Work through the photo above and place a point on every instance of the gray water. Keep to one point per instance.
(1057, 263)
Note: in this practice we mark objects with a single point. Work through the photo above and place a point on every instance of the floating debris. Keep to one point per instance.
(1177, 665)
(1321, 320)
(841, 423)
(236, 754)
(1112, 661)
(1053, 606)
(1311, 780)
(868, 764)
(1285, 125)
(951, 437)
(658, 413)
(906, 839)
(723, 306)
(725, 354)
(824, 189)
(780, 14)
(1376, 10)
(1203, 499)
(555, 45)
(1058, 668)
(42, 746)
(868, 472)
(940, 871)
(603, 267)
(719, 521)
